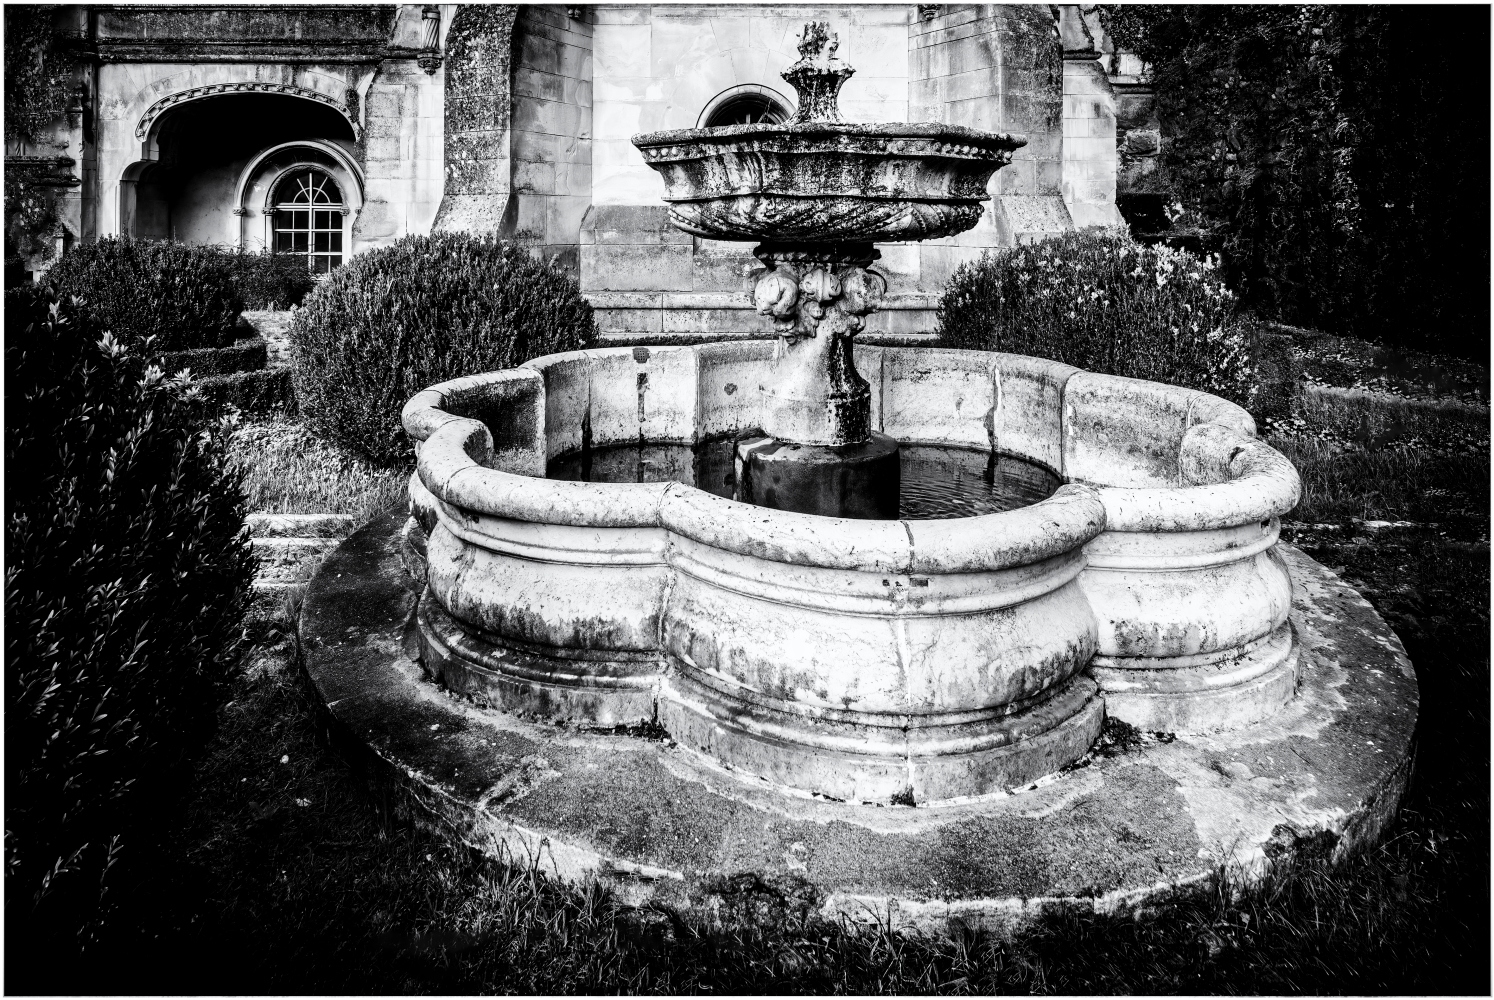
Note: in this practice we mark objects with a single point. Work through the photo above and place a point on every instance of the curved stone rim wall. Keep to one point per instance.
(1168, 494)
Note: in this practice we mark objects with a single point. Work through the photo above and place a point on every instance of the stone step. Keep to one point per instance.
(289, 560)
(300, 525)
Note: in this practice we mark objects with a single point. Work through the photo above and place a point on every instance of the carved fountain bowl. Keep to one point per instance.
(823, 182)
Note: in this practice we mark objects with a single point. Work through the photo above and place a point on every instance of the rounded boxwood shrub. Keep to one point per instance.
(398, 319)
(1103, 302)
(127, 573)
(184, 296)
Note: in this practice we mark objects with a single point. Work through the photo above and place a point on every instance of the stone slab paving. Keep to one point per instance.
(656, 822)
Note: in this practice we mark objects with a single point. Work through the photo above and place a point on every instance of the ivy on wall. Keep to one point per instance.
(30, 214)
(38, 72)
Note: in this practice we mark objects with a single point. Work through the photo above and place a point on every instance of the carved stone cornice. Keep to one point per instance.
(254, 87)
(326, 51)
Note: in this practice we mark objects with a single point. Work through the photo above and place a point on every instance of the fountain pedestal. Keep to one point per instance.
(819, 455)
(860, 480)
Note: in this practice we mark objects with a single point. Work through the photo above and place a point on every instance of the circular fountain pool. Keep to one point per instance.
(914, 659)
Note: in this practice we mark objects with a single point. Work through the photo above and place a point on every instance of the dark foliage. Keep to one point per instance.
(1102, 302)
(38, 71)
(183, 296)
(393, 321)
(126, 576)
(269, 280)
(1335, 155)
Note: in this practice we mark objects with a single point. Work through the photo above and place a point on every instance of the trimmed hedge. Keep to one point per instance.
(128, 571)
(396, 320)
(270, 280)
(1102, 302)
(183, 296)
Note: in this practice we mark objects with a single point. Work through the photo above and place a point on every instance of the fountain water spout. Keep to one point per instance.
(818, 75)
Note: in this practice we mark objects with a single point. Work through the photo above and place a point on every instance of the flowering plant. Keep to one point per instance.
(1103, 302)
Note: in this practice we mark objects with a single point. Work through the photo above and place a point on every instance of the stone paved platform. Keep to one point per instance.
(656, 822)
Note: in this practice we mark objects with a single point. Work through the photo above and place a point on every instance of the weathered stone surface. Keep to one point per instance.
(824, 182)
(1181, 573)
(300, 525)
(817, 179)
(657, 822)
(477, 112)
(289, 560)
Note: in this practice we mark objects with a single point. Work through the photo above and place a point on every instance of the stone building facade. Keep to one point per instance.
(327, 130)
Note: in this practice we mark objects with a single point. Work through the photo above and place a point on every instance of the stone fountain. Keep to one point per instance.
(739, 650)
(818, 192)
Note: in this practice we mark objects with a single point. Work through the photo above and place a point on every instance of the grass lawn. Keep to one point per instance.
(284, 876)
(291, 471)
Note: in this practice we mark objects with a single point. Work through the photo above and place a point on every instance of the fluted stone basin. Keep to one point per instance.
(826, 182)
(863, 660)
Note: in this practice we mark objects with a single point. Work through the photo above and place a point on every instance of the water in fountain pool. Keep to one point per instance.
(937, 481)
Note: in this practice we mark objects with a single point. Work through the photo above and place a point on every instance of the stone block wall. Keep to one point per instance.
(1090, 158)
(403, 110)
(996, 67)
(550, 138)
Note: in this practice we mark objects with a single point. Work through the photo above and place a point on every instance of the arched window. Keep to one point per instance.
(747, 109)
(308, 218)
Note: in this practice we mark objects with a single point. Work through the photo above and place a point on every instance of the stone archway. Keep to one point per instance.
(144, 129)
(201, 150)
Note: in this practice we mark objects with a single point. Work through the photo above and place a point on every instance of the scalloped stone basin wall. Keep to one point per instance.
(906, 661)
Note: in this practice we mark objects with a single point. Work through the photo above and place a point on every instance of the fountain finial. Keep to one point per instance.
(818, 75)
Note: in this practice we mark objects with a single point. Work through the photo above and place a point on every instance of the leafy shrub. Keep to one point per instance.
(127, 572)
(270, 280)
(184, 296)
(1102, 302)
(393, 321)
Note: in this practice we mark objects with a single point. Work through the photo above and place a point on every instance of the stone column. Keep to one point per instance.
(477, 115)
(1090, 160)
(820, 454)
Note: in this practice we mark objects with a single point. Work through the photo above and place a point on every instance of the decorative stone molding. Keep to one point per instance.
(219, 89)
(832, 181)
(430, 35)
(818, 75)
(355, 109)
(928, 11)
(240, 210)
